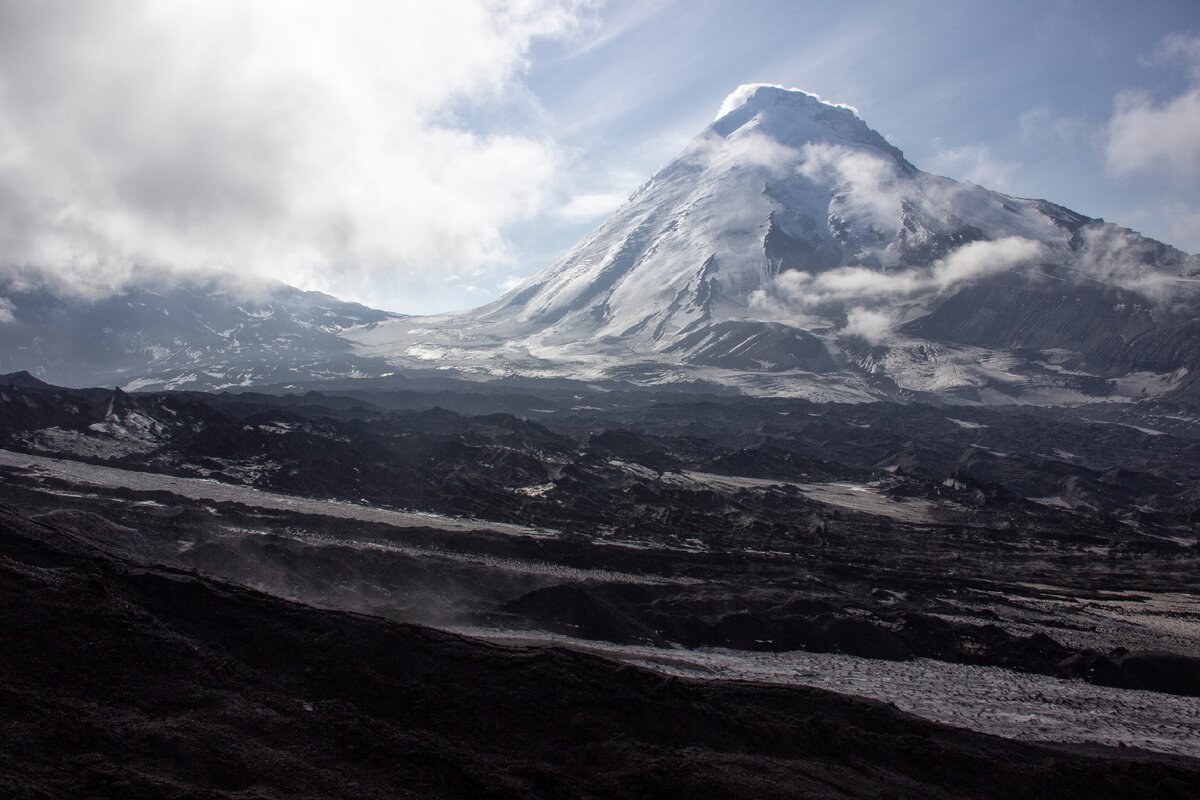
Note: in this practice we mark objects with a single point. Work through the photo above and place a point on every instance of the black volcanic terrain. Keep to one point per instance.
(194, 572)
(125, 680)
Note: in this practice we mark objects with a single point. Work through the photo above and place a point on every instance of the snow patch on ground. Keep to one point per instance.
(535, 491)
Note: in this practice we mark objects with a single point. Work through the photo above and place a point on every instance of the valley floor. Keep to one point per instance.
(216, 595)
(123, 680)
(984, 698)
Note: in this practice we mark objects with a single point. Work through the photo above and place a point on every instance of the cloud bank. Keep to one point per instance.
(324, 144)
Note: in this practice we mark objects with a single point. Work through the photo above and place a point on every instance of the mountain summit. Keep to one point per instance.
(792, 249)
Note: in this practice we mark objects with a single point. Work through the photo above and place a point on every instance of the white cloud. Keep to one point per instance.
(1147, 136)
(587, 207)
(867, 324)
(1177, 49)
(850, 284)
(978, 259)
(1123, 258)
(1144, 136)
(325, 144)
(744, 149)
(6, 310)
(869, 181)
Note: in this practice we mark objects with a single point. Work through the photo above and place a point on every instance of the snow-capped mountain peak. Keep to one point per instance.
(794, 117)
(791, 248)
(748, 92)
(780, 183)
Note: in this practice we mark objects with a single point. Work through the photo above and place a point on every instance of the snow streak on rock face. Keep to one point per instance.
(791, 240)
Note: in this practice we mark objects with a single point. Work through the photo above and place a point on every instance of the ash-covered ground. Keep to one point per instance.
(1024, 572)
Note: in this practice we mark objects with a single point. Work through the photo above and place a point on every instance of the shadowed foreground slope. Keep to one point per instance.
(123, 680)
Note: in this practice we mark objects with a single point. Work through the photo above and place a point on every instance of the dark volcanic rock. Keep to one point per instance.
(575, 611)
(120, 680)
(629, 446)
(1113, 331)
(1162, 672)
(22, 380)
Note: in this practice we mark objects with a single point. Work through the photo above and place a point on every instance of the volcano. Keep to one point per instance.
(790, 249)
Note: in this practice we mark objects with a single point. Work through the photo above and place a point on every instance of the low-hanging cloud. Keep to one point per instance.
(590, 206)
(325, 144)
(870, 325)
(747, 150)
(855, 284)
(870, 182)
(1120, 257)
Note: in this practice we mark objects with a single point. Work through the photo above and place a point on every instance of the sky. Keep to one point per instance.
(422, 157)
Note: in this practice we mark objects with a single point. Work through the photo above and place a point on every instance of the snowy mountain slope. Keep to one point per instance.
(206, 334)
(792, 249)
